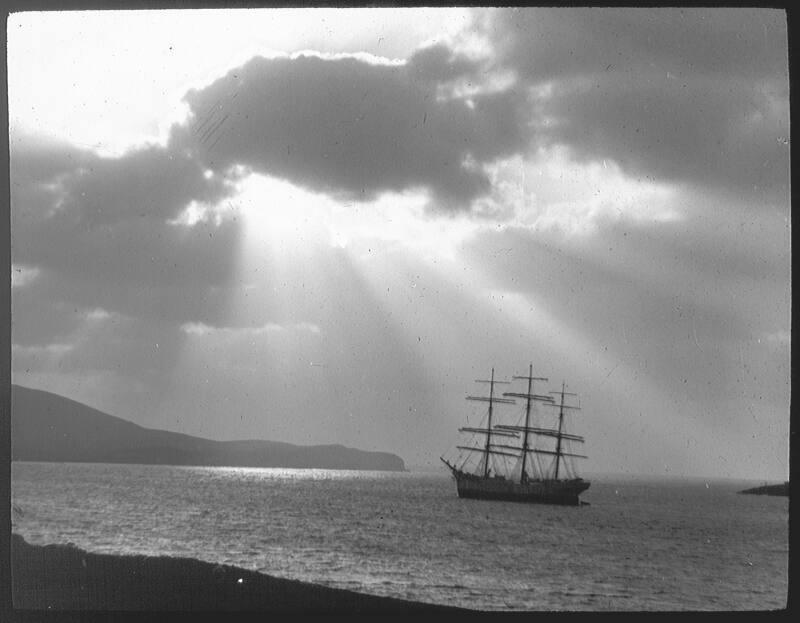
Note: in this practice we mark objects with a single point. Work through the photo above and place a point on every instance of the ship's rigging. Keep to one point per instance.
(517, 458)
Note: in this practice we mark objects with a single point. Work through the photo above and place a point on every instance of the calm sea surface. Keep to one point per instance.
(640, 545)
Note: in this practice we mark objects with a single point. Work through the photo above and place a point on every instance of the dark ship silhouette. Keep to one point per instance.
(520, 462)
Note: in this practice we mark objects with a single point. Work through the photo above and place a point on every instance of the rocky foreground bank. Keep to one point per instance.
(63, 577)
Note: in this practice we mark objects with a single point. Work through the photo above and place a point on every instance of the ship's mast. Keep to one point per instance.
(523, 475)
(488, 430)
(528, 397)
(560, 424)
(557, 433)
(560, 434)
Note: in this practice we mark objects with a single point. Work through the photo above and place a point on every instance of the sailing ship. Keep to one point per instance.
(521, 462)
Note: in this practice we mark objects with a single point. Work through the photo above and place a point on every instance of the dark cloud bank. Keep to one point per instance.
(352, 129)
(341, 126)
(686, 96)
(682, 95)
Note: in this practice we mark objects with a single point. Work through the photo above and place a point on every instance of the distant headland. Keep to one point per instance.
(51, 428)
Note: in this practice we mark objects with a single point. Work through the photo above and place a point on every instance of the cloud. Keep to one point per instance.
(438, 63)
(551, 191)
(38, 168)
(696, 96)
(352, 128)
(201, 329)
(152, 183)
(696, 131)
(113, 361)
(105, 272)
(550, 43)
(24, 355)
(92, 339)
(100, 231)
(22, 275)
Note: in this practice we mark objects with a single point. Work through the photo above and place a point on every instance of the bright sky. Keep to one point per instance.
(320, 226)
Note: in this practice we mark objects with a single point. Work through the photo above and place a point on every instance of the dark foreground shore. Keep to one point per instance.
(63, 577)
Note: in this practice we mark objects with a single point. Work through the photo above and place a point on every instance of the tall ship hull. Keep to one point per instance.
(525, 460)
(562, 492)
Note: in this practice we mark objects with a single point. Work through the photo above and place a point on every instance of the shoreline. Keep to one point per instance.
(64, 577)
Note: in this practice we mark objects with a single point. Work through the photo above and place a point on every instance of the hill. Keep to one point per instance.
(49, 427)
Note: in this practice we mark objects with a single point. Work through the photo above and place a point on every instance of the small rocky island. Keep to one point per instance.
(782, 489)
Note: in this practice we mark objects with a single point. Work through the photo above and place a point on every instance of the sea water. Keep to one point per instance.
(639, 545)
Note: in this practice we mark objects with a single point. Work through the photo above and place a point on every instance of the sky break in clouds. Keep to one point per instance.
(318, 226)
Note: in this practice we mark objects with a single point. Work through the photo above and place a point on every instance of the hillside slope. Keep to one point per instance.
(49, 427)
